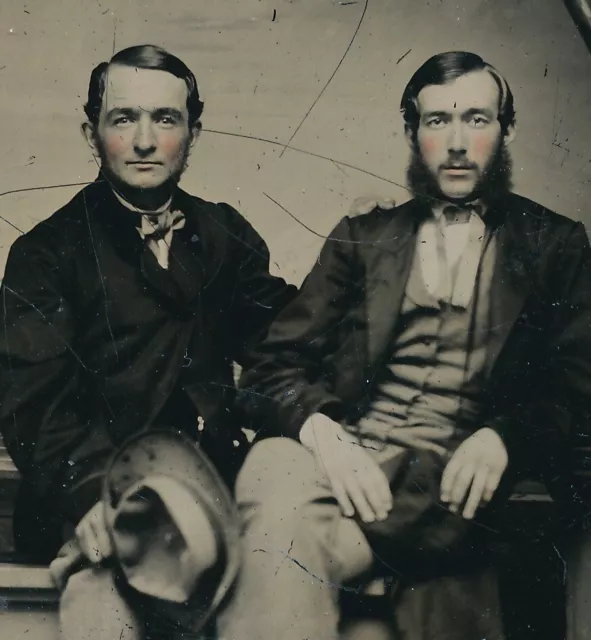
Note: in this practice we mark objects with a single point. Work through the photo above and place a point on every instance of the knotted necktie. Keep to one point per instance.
(156, 227)
(450, 254)
(460, 215)
(157, 230)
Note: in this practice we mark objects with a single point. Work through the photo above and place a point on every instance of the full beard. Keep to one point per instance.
(494, 183)
(145, 198)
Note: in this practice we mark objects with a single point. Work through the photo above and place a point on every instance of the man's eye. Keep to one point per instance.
(435, 122)
(168, 120)
(121, 120)
(479, 121)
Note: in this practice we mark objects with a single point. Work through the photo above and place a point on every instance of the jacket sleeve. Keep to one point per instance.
(38, 363)
(284, 380)
(258, 296)
(556, 416)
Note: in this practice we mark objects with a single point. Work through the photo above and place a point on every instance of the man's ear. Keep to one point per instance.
(89, 133)
(410, 135)
(195, 133)
(510, 134)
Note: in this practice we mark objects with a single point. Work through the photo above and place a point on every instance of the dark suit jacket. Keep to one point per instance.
(97, 340)
(324, 350)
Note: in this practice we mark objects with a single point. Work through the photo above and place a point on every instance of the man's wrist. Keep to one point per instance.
(319, 425)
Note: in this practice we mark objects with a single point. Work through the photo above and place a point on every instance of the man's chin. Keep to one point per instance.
(458, 190)
(147, 181)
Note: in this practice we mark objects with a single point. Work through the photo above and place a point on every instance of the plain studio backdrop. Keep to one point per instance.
(261, 67)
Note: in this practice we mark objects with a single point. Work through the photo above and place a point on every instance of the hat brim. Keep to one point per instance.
(171, 453)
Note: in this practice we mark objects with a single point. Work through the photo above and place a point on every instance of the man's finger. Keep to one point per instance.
(373, 487)
(342, 498)
(382, 487)
(359, 500)
(362, 205)
(386, 203)
(461, 485)
(476, 493)
(448, 478)
(492, 483)
(103, 540)
(88, 543)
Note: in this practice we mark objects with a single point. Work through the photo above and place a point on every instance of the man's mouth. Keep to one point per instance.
(457, 170)
(144, 165)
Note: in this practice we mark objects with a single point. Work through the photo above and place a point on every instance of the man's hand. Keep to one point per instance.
(92, 535)
(476, 467)
(365, 204)
(356, 479)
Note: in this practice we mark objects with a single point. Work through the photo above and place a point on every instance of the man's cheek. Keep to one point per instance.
(115, 145)
(483, 146)
(429, 147)
(171, 145)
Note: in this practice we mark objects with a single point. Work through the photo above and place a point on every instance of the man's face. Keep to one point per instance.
(459, 133)
(143, 137)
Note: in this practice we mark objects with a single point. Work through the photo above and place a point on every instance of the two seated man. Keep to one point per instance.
(436, 352)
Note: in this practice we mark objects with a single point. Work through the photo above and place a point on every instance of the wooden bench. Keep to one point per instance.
(28, 598)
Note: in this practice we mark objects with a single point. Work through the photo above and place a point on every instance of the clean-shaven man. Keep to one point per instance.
(124, 311)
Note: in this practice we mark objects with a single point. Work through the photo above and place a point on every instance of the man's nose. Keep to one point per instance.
(144, 140)
(457, 139)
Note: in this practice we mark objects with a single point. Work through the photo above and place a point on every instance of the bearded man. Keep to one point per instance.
(435, 353)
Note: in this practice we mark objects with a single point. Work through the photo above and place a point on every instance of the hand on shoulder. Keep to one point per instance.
(366, 204)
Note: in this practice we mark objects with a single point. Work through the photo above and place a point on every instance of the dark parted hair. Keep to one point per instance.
(446, 67)
(144, 56)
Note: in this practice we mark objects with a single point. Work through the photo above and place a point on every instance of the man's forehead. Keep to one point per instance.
(476, 90)
(130, 87)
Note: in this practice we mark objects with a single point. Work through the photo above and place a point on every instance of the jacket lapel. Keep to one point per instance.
(512, 279)
(184, 278)
(388, 266)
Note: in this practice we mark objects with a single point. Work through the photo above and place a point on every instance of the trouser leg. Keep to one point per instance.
(453, 607)
(91, 608)
(298, 549)
(448, 588)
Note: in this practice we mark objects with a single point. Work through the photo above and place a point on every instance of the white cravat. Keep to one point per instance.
(157, 228)
(445, 243)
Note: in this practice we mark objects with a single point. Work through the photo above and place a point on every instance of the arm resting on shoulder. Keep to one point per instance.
(285, 378)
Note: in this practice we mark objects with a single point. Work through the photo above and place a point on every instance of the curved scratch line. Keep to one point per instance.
(329, 80)
(12, 225)
(308, 153)
(51, 186)
(319, 235)
(233, 135)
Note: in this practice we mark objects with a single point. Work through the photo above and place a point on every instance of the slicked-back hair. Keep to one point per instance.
(145, 56)
(446, 67)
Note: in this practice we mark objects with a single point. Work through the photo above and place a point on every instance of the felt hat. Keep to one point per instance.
(173, 525)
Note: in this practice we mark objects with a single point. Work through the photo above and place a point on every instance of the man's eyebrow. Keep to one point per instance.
(159, 112)
(168, 111)
(435, 114)
(121, 111)
(476, 110)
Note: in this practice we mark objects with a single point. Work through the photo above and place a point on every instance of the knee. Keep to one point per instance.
(276, 471)
(89, 586)
(79, 617)
(283, 495)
